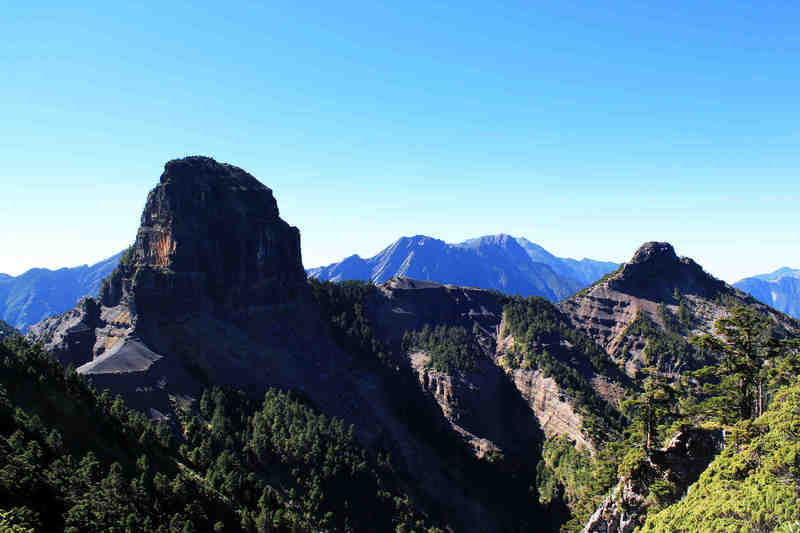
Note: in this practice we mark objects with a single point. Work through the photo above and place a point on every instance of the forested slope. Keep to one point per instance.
(75, 460)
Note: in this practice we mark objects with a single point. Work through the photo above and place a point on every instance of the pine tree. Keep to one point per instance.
(742, 347)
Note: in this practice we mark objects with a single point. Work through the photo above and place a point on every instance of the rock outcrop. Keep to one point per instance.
(211, 243)
(211, 238)
(655, 271)
(677, 466)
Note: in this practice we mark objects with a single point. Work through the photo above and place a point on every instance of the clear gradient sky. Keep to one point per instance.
(586, 127)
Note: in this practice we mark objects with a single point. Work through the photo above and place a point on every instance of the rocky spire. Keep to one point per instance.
(655, 272)
(211, 237)
(211, 244)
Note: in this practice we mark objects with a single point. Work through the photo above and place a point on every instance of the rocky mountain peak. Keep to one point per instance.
(655, 271)
(655, 252)
(210, 234)
(200, 170)
(199, 211)
(211, 249)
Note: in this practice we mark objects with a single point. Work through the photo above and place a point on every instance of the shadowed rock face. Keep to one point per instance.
(211, 247)
(655, 271)
(484, 406)
(210, 237)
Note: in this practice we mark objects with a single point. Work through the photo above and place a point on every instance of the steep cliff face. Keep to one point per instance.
(541, 380)
(210, 237)
(205, 290)
(483, 408)
(481, 405)
(643, 313)
(555, 413)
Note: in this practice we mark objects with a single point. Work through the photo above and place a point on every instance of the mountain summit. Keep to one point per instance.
(210, 234)
(657, 294)
(655, 271)
(211, 247)
(499, 262)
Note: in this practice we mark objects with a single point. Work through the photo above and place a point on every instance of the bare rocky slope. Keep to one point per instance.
(495, 394)
(643, 313)
(681, 462)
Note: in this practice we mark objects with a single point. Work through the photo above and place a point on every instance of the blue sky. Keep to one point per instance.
(586, 128)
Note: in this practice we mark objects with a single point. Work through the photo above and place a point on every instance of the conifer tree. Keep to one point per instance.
(742, 346)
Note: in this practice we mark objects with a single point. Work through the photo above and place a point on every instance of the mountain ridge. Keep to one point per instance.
(41, 292)
(500, 262)
(779, 289)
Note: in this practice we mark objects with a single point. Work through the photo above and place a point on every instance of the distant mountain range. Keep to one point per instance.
(40, 292)
(513, 265)
(508, 264)
(780, 289)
